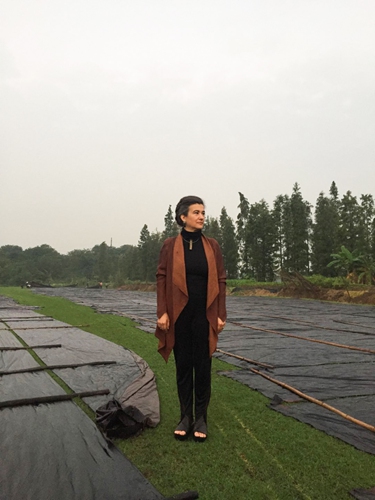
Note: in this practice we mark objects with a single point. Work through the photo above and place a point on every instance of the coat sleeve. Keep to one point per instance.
(161, 281)
(222, 279)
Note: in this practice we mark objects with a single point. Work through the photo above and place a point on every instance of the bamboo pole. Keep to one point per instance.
(310, 323)
(314, 400)
(351, 323)
(29, 318)
(56, 367)
(44, 327)
(47, 346)
(19, 308)
(264, 365)
(51, 399)
(334, 344)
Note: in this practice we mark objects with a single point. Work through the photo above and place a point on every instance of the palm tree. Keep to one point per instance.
(346, 261)
(366, 269)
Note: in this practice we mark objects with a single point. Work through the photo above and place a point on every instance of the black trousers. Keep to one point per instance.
(193, 361)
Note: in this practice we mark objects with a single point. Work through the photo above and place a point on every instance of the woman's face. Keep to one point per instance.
(194, 220)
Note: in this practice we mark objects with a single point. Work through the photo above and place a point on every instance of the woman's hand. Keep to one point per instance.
(163, 322)
(220, 325)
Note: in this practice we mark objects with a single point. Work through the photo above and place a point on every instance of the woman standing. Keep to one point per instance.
(191, 282)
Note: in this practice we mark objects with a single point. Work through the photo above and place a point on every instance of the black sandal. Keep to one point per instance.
(185, 425)
(200, 426)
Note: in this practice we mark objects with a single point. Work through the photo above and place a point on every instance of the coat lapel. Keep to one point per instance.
(213, 284)
(179, 273)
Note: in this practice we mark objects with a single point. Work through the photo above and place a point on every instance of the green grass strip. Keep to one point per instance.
(252, 452)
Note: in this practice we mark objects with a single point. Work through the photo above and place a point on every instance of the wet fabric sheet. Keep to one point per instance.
(55, 450)
(332, 373)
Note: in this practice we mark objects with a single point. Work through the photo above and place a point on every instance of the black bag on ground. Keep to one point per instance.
(118, 422)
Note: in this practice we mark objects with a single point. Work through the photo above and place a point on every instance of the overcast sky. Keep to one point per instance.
(113, 110)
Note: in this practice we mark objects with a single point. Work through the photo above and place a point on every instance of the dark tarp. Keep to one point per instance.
(140, 306)
(128, 376)
(335, 425)
(342, 378)
(55, 450)
(362, 494)
(129, 379)
(320, 382)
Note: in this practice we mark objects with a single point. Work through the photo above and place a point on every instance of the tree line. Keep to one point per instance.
(262, 241)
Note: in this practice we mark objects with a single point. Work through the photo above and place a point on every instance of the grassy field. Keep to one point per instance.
(252, 453)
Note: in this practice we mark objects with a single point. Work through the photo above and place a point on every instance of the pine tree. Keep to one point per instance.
(324, 235)
(229, 245)
(335, 203)
(170, 225)
(144, 252)
(149, 246)
(301, 227)
(212, 229)
(241, 224)
(278, 224)
(103, 268)
(365, 220)
(260, 239)
(155, 244)
(349, 214)
(333, 191)
(132, 265)
(287, 231)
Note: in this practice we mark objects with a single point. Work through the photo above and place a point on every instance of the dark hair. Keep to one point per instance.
(182, 207)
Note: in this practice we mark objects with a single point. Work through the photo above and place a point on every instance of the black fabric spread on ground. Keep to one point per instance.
(321, 382)
(362, 494)
(140, 306)
(335, 425)
(55, 450)
(130, 376)
(343, 378)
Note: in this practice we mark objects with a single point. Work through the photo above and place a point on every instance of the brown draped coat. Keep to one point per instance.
(172, 293)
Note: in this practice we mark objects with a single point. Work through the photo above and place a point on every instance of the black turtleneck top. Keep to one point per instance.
(195, 264)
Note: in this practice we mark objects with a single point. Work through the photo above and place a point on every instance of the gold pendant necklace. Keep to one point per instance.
(191, 242)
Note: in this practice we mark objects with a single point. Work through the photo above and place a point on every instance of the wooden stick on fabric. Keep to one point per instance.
(28, 318)
(51, 399)
(314, 400)
(45, 327)
(56, 367)
(308, 339)
(47, 346)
